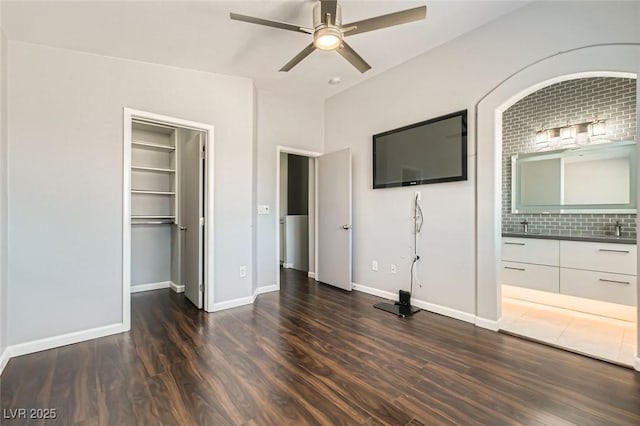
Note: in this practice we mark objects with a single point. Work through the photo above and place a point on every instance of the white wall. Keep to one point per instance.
(312, 215)
(254, 192)
(3, 195)
(452, 77)
(287, 121)
(65, 180)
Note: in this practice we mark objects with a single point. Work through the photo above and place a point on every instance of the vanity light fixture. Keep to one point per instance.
(598, 127)
(571, 131)
(542, 136)
(567, 132)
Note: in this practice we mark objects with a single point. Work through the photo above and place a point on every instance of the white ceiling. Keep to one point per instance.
(200, 35)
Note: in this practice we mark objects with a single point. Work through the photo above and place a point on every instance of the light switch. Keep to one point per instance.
(263, 209)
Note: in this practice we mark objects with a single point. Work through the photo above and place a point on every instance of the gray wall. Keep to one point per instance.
(448, 78)
(297, 185)
(65, 180)
(289, 121)
(576, 101)
(3, 193)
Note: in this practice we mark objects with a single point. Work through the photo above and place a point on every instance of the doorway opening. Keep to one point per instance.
(167, 208)
(568, 233)
(297, 212)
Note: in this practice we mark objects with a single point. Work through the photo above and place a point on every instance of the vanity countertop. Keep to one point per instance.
(566, 237)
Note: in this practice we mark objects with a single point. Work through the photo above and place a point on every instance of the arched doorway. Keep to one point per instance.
(605, 60)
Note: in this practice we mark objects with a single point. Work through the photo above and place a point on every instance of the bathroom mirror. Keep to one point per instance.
(587, 179)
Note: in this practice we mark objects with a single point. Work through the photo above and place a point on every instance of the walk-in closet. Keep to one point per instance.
(168, 174)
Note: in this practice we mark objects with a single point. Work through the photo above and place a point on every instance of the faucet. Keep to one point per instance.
(618, 228)
(525, 226)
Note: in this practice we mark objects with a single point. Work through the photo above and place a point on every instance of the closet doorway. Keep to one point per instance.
(296, 210)
(167, 207)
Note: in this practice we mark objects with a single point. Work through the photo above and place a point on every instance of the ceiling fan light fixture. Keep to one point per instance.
(328, 38)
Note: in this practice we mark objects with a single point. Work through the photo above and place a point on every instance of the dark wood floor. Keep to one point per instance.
(313, 354)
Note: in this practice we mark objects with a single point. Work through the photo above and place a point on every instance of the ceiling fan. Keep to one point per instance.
(329, 32)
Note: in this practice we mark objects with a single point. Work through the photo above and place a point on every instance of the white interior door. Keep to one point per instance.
(191, 212)
(334, 219)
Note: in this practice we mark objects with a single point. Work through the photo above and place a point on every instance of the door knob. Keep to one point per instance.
(183, 228)
(347, 227)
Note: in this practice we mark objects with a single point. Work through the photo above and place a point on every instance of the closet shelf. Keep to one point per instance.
(142, 191)
(144, 216)
(152, 145)
(153, 169)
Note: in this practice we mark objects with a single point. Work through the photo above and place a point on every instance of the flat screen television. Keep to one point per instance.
(431, 151)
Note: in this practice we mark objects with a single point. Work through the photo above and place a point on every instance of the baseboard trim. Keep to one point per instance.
(265, 289)
(150, 286)
(64, 340)
(287, 265)
(427, 306)
(4, 359)
(178, 288)
(444, 310)
(636, 364)
(311, 275)
(493, 325)
(374, 291)
(241, 301)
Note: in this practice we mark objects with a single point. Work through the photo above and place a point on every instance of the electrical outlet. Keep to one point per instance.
(374, 265)
(416, 195)
(394, 268)
(243, 271)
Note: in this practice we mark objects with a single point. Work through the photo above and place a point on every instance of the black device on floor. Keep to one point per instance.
(401, 308)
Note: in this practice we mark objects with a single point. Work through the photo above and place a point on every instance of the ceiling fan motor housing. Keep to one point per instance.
(319, 21)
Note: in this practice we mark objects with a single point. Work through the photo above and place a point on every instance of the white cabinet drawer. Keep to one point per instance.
(531, 250)
(607, 257)
(614, 288)
(537, 277)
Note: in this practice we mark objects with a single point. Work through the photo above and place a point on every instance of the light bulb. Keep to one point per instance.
(328, 38)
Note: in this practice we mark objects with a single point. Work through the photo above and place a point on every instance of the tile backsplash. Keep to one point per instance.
(573, 101)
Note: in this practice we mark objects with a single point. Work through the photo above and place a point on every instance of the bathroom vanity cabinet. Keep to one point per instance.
(596, 270)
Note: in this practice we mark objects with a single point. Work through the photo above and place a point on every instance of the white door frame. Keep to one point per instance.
(304, 153)
(129, 115)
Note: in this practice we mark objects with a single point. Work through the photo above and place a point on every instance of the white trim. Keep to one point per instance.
(374, 291)
(242, 301)
(310, 154)
(64, 339)
(444, 310)
(178, 288)
(493, 325)
(265, 289)
(286, 266)
(130, 114)
(636, 363)
(311, 275)
(221, 306)
(427, 306)
(4, 359)
(150, 286)
(126, 218)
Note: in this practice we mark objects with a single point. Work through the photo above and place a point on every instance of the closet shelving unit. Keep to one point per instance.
(154, 163)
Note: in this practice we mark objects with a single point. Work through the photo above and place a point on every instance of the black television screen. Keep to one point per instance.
(431, 151)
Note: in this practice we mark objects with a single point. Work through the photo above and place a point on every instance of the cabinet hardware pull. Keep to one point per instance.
(615, 281)
(515, 269)
(615, 251)
(514, 244)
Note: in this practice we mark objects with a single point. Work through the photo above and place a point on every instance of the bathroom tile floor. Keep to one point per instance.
(596, 336)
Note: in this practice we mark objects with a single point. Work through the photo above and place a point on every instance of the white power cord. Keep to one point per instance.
(418, 221)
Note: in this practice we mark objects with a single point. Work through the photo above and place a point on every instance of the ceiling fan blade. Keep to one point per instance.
(385, 21)
(299, 57)
(328, 6)
(354, 59)
(268, 23)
